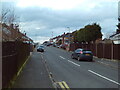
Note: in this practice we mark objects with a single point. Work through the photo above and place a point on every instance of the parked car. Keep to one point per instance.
(58, 46)
(49, 44)
(82, 54)
(63, 46)
(54, 45)
(40, 48)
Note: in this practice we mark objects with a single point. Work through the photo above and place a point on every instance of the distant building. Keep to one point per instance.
(12, 33)
(66, 38)
(115, 38)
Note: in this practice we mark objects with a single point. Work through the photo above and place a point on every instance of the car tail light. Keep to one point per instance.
(81, 52)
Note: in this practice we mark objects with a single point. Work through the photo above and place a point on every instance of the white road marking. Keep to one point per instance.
(61, 57)
(73, 63)
(99, 61)
(42, 57)
(104, 77)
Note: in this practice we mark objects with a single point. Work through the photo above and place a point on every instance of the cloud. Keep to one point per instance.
(40, 39)
(56, 15)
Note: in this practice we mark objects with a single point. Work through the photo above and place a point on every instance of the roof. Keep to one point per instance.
(11, 34)
(115, 35)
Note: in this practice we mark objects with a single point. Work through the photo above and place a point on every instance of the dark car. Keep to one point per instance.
(82, 54)
(63, 46)
(40, 48)
(49, 44)
(54, 45)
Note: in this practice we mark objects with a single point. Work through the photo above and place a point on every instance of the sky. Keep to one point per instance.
(44, 19)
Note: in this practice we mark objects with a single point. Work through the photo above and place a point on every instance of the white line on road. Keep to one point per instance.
(61, 57)
(104, 77)
(74, 63)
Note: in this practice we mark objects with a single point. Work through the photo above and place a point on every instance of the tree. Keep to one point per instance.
(75, 36)
(118, 30)
(89, 33)
(9, 16)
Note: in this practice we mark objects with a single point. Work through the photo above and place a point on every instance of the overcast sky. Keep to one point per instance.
(39, 18)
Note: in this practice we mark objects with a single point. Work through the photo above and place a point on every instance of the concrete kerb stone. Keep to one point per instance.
(107, 63)
(107, 59)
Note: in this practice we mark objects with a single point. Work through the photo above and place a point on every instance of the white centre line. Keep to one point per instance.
(104, 77)
(61, 57)
(73, 63)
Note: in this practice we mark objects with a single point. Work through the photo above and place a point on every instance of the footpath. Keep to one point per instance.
(108, 62)
(34, 74)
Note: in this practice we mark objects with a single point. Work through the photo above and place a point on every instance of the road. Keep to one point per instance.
(79, 74)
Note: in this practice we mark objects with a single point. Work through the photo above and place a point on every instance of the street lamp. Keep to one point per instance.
(69, 34)
(69, 38)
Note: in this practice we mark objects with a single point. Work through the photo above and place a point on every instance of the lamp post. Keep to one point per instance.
(69, 38)
(69, 34)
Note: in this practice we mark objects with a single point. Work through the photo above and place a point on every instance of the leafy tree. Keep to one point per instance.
(89, 33)
(81, 35)
(75, 39)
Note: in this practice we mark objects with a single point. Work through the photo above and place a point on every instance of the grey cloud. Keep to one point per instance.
(49, 20)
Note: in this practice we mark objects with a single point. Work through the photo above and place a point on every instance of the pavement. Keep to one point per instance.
(108, 62)
(34, 74)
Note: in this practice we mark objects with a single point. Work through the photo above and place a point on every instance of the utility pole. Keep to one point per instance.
(52, 37)
(69, 39)
(52, 34)
(69, 34)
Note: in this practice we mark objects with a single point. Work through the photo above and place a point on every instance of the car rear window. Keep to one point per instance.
(77, 51)
(41, 46)
(87, 52)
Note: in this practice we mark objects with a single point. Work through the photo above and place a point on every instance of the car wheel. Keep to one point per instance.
(91, 60)
(78, 58)
(72, 57)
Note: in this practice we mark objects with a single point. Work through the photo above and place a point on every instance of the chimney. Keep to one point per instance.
(11, 26)
(16, 27)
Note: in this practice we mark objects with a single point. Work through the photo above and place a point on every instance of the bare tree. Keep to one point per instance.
(9, 16)
(4, 15)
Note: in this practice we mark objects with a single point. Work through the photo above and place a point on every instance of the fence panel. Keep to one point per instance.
(9, 68)
(14, 55)
(107, 51)
(116, 50)
(100, 50)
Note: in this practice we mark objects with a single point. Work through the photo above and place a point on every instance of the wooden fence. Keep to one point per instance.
(14, 54)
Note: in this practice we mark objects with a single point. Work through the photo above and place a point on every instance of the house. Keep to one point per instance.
(115, 38)
(68, 38)
(12, 33)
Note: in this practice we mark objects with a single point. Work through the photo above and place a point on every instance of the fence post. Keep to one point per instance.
(112, 51)
(103, 49)
(96, 49)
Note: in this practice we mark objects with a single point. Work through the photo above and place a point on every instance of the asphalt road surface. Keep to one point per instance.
(79, 74)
